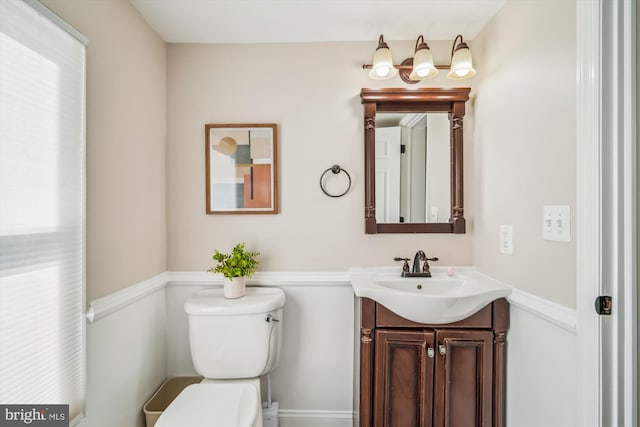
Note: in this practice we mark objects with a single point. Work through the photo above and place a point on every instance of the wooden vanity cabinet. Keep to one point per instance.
(420, 375)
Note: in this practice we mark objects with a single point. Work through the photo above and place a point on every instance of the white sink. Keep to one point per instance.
(435, 300)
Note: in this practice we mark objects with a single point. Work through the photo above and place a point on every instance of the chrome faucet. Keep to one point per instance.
(416, 271)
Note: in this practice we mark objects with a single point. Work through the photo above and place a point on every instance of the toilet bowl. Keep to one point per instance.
(233, 342)
(228, 403)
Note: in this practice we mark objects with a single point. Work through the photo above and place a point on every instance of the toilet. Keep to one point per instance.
(233, 342)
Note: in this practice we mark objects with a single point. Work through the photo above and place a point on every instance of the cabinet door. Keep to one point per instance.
(403, 378)
(464, 379)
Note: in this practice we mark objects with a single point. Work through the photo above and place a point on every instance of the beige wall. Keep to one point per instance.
(312, 92)
(524, 99)
(126, 82)
(520, 146)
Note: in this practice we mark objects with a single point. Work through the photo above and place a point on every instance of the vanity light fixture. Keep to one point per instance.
(421, 66)
(382, 67)
(461, 63)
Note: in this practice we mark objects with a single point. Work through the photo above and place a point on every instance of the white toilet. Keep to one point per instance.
(233, 343)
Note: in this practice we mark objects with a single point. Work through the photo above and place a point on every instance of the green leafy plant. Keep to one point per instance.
(239, 263)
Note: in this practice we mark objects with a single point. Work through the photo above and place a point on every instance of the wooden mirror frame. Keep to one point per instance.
(451, 100)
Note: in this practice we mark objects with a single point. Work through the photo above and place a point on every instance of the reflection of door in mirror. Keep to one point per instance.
(412, 168)
(388, 174)
(438, 177)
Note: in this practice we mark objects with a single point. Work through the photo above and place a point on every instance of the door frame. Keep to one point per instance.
(606, 201)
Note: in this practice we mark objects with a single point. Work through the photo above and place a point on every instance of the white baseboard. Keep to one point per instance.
(324, 415)
(300, 418)
(314, 422)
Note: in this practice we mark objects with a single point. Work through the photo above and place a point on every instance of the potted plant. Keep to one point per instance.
(235, 267)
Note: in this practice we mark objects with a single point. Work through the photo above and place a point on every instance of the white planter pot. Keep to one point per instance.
(234, 287)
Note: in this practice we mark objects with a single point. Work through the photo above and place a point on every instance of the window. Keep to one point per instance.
(42, 209)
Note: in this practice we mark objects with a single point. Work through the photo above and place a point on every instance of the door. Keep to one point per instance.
(387, 174)
(403, 378)
(464, 379)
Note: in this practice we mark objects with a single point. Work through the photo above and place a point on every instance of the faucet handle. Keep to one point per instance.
(405, 266)
(425, 266)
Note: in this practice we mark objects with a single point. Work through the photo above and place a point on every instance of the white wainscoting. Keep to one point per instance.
(126, 358)
(542, 364)
(139, 336)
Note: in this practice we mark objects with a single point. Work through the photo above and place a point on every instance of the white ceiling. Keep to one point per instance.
(281, 21)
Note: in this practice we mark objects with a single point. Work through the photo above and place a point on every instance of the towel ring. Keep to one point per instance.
(335, 169)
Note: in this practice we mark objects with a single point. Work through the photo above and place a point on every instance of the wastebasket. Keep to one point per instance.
(164, 396)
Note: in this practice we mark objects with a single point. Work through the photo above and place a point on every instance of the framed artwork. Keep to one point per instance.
(241, 168)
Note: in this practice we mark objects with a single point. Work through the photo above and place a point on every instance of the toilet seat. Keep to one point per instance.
(228, 404)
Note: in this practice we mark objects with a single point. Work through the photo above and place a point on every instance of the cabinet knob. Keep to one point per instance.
(443, 349)
(431, 352)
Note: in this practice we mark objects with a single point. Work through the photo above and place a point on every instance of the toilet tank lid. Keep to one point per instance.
(212, 302)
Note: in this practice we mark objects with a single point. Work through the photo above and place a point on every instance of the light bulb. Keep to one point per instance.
(423, 67)
(382, 71)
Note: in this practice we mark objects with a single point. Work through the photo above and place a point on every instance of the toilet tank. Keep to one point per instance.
(235, 338)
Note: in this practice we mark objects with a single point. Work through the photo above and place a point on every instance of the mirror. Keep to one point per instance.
(412, 167)
(413, 160)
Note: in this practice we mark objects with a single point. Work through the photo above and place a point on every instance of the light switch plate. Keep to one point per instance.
(506, 239)
(556, 223)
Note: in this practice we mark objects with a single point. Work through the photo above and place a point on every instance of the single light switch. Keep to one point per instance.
(556, 223)
(506, 239)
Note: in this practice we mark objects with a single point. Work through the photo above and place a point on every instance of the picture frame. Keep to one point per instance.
(241, 168)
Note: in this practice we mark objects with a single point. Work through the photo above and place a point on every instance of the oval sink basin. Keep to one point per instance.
(438, 299)
(419, 285)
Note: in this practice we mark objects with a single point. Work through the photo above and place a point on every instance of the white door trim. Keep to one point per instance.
(630, 92)
(628, 147)
(619, 221)
(606, 198)
(588, 208)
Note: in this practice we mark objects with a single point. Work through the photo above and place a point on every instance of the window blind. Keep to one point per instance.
(42, 211)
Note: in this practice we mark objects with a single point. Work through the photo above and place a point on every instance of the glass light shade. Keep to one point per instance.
(461, 64)
(382, 68)
(423, 67)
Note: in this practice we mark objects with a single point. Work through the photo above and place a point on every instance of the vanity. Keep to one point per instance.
(428, 362)
(431, 340)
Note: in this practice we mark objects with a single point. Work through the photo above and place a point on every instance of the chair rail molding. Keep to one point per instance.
(550, 311)
(107, 304)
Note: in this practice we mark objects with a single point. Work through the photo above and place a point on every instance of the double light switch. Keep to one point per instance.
(556, 223)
